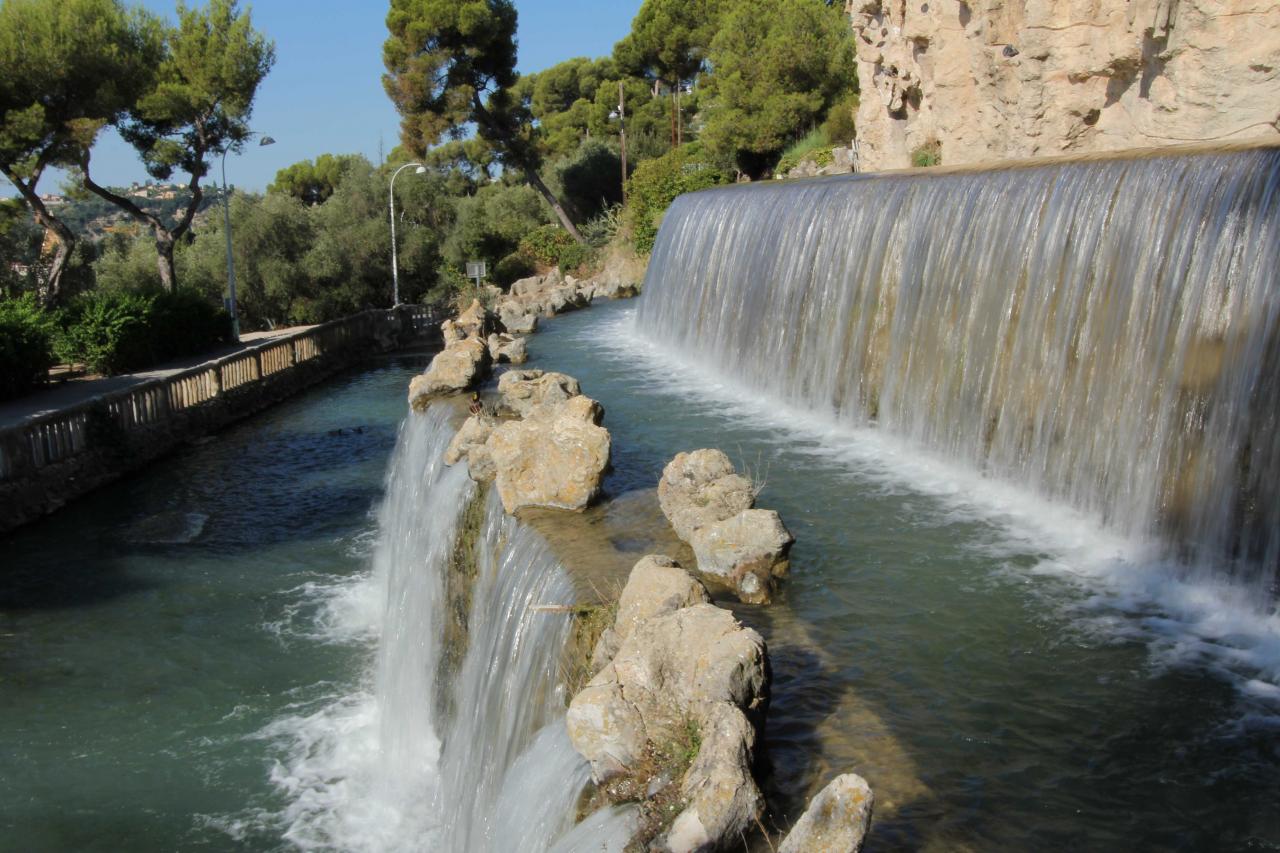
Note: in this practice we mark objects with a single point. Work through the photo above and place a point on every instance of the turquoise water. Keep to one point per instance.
(150, 633)
(1005, 674)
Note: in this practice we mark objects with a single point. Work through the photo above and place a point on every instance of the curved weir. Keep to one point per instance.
(1105, 332)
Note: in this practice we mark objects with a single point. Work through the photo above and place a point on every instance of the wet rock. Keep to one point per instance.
(837, 819)
(701, 488)
(748, 550)
(554, 458)
(523, 390)
(507, 349)
(454, 369)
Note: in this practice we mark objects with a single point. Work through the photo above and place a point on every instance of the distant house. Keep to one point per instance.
(53, 200)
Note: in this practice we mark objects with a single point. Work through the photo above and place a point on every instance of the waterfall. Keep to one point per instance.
(1103, 332)
(461, 759)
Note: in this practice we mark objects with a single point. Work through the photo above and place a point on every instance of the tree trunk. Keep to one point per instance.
(530, 173)
(533, 178)
(164, 261)
(66, 237)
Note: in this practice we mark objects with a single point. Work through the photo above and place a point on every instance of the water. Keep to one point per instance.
(1007, 673)
(149, 632)
(1104, 333)
(241, 649)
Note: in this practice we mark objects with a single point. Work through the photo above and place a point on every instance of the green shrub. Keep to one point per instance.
(513, 267)
(656, 183)
(839, 127)
(26, 346)
(815, 146)
(117, 331)
(929, 154)
(573, 257)
(545, 243)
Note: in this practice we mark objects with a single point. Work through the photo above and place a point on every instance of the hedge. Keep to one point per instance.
(26, 346)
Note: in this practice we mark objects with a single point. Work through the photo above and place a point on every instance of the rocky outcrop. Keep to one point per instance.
(455, 368)
(989, 80)
(837, 819)
(701, 488)
(521, 391)
(555, 293)
(681, 665)
(748, 550)
(555, 457)
(709, 506)
(834, 161)
(554, 454)
(507, 349)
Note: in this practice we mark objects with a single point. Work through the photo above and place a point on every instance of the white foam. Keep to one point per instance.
(1124, 587)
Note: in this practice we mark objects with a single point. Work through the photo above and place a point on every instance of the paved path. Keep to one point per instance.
(74, 391)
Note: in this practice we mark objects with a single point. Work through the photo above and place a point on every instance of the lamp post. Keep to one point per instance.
(621, 115)
(395, 269)
(226, 218)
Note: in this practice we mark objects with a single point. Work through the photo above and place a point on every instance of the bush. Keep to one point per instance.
(26, 346)
(512, 268)
(115, 332)
(839, 127)
(929, 154)
(656, 183)
(545, 244)
(816, 146)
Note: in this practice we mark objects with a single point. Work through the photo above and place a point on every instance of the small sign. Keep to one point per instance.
(476, 270)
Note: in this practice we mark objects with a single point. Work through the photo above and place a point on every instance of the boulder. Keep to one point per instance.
(837, 819)
(614, 290)
(527, 286)
(474, 322)
(451, 332)
(748, 550)
(453, 369)
(694, 665)
(657, 586)
(554, 458)
(473, 433)
(507, 349)
(723, 799)
(701, 488)
(523, 390)
(516, 318)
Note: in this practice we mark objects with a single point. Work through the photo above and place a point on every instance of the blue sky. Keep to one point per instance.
(325, 93)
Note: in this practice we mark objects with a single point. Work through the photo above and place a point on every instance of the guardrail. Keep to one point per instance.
(110, 427)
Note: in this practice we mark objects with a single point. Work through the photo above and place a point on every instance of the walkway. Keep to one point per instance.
(74, 391)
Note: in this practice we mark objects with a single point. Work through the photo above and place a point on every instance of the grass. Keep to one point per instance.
(815, 146)
(929, 154)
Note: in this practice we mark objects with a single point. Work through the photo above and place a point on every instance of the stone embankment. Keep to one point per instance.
(677, 690)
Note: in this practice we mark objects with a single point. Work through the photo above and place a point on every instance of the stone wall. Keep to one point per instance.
(1011, 79)
(57, 457)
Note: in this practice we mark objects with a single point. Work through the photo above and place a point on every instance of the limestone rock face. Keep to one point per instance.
(701, 488)
(507, 349)
(453, 369)
(991, 80)
(554, 458)
(837, 819)
(614, 289)
(748, 550)
(680, 660)
(523, 390)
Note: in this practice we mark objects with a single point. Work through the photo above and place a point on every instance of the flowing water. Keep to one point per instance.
(233, 650)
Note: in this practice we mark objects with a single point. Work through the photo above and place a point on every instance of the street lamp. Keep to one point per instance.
(621, 115)
(395, 269)
(226, 216)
